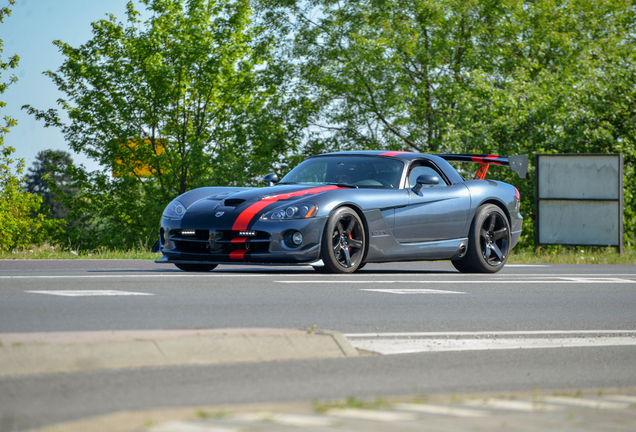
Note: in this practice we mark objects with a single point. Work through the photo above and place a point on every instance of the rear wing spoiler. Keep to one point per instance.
(518, 164)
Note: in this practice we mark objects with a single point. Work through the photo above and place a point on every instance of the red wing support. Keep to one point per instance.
(518, 164)
(481, 172)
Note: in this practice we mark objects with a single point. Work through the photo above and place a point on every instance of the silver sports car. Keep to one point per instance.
(338, 211)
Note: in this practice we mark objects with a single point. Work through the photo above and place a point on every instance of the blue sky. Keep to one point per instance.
(29, 33)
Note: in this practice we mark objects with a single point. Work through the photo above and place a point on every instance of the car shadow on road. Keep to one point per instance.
(274, 272)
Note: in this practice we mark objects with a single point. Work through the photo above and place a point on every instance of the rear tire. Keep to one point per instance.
(196, 267)
(343, 241)
(461, 266)
(320, 269)
(488, 242)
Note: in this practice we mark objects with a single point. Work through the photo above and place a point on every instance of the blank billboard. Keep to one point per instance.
(580, 199)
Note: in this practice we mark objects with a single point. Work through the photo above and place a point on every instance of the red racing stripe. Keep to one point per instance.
(393, 153)
(238, 254)
(243, 220)
(486, 159)
(239, 240)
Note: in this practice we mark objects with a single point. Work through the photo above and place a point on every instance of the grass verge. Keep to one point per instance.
(53, 252)
(572, 255)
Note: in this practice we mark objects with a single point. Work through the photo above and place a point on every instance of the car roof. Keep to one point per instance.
(407, 157)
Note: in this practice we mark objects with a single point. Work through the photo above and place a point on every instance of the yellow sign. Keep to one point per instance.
(135, 167)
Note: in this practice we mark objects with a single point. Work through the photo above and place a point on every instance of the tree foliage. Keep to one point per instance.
(191, 97)
(47, 177)
(23, 219)
(478, 76)
(20, 226)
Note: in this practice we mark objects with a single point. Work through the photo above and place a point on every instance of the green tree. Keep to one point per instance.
(191, 97)
(48, 176)
(479, 76)
(20, 225)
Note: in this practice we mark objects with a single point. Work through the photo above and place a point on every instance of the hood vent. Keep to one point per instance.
(233, 202)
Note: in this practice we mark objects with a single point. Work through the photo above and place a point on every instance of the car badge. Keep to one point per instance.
(219, 214)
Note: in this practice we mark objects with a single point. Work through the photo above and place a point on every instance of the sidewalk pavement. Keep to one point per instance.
(39, 353)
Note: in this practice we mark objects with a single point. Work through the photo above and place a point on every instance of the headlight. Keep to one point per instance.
(174, 210)
(294, 211)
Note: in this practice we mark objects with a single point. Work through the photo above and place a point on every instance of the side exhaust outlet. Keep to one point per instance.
(462, 250)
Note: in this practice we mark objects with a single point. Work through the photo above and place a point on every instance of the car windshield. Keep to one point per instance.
(355, 171)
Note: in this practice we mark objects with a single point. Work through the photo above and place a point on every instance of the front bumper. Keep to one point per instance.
(268, 243)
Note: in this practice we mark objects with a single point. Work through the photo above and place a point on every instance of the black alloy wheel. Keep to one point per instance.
(343, 241)
(488, 242)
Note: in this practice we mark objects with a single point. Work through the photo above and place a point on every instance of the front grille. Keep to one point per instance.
(218, 244)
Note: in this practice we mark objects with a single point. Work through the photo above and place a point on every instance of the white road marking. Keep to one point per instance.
(182, 426)
(491, 333)
(413, 291)
(409, 346)
(441, 409)
(459, 282)
(135, 276)
(621, 398)
(596, 280)
(585, 403)
(456, 277)
(513, 405)
(87, 293)
(286, 419)
(361, 414)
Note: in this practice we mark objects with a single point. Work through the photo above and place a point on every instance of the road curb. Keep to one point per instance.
(41, 353)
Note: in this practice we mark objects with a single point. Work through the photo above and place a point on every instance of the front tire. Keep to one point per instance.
(343, 241)
(196, 267)
(488, 242)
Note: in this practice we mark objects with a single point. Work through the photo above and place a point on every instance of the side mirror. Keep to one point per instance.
(271, 179)
(425, 179)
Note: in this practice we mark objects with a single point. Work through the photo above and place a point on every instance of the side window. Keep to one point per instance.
(419, 170)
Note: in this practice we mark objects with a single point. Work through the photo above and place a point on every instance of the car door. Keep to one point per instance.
(435, 212)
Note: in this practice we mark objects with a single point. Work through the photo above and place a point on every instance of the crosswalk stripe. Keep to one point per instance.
(585, 403)
(183, 426)
(443, 410)
(621, 398)
(380, 416)
(286, 419)
(514, 405)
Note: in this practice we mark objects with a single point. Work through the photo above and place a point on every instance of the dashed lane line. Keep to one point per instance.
(89, 293)
(412, 291)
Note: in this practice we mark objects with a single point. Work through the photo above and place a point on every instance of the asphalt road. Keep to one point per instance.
(410, 298)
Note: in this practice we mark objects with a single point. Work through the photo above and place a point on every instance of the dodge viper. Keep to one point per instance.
(339, 211)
